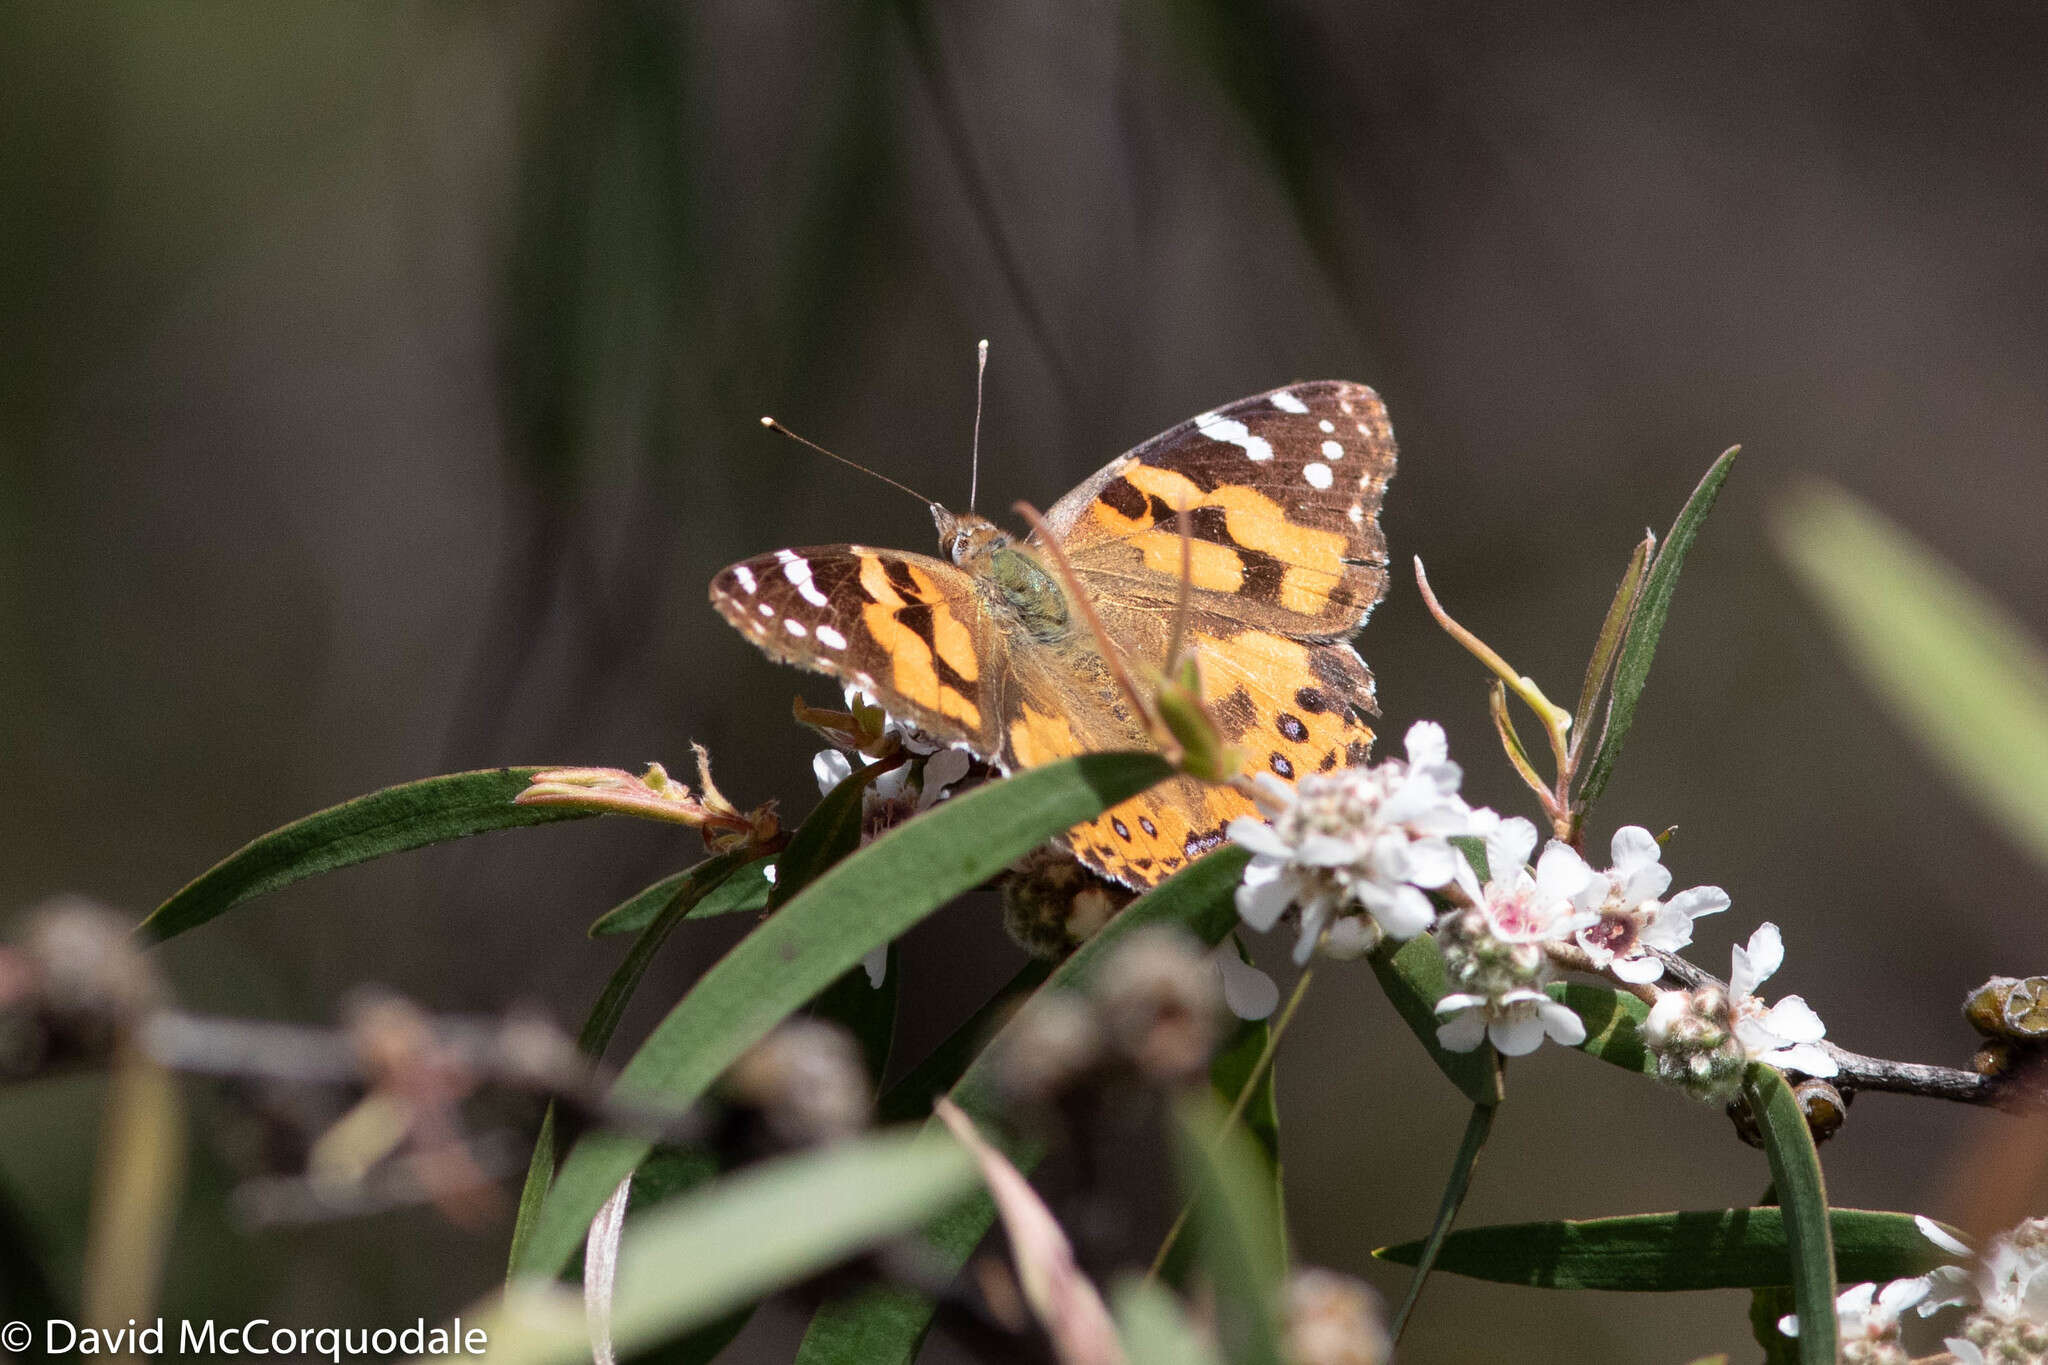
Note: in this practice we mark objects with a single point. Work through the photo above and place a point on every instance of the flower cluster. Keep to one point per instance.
(1367, 854)
(2008, 1292)
(1494, 951)
(1354, 851)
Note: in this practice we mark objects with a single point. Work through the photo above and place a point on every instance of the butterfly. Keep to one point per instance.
(984, 649)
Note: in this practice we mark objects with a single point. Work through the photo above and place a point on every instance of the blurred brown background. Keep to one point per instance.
(378, 392)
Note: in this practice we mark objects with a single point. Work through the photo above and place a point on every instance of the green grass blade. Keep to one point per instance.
(1412, 975)
(1237, 1230)
(863, 901)
(1477, 1129)
(433, 810)
(1608, 642)
(1614, 1025)
(886, 1326)
(603, 1020)
(1964, 676)
(1803, 1195)
(744, 892)
(1155, 1328)
(695, 1258)
(1639, 646)
(1745, 1248)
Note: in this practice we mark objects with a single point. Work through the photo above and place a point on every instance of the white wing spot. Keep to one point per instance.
(1287, 402)
(746, 577)
(767, 610)
(1327, 425)
(1348, 409)
(793, 626)
(1236, 433)
(1332, 450)
(831, 637)
(1364, 430)
(1318, 474)
(797, 570)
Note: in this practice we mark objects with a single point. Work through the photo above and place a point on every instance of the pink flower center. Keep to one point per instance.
(1615, 933)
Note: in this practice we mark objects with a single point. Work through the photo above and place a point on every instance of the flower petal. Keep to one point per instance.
(1698, 901)
(1517, 1034)
(1264, 895)
(1632, 847)
(1646, 883)
(1766, 951)
(1803, 1057)
(1509, 847)
(1562, 1023)
(1249, 992)
(1258, 836)
(1638, 971)
(1794, 1020)
(831, 768)
(1462, 1034)
(1935, 1233)
(1407, 913)
(1561, 872)
(1432, 862)
(876, 965)
(1426, 744)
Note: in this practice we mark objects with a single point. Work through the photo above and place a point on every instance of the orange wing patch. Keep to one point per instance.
(1294, 708)
(931, 653)
(1142, 841)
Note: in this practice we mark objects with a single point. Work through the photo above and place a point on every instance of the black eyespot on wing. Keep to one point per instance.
(1282, 766)
(1151, 830)
(1291, 727)
(1123, 831)
(1311, 701)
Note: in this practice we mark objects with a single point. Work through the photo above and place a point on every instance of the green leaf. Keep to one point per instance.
(1964, 676)
(912, 1095)
(1229, 1071)
(863, 901)
(1608, 643)
(695, 1258)
(1795, 1173)
(1639, 646)
(1746, 1248)
(1614, 1024)
(1412, 975)
(1766, 1306)
(1477, 1129)
(1155, 1328)
(430, 811)
(603, 1019)
(746, 890)
(886, 1326)
(1237, 1230)
(828, 833)
(865, 1010)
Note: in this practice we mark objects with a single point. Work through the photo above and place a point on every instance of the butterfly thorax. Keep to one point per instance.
(1014, 576)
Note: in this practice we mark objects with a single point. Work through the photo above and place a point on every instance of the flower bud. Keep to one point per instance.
(807, 1082)
(1052, 904)
(1334, 1319)
(1055, 1041)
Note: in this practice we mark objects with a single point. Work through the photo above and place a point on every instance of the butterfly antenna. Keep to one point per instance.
(974, 461)
(775, 426)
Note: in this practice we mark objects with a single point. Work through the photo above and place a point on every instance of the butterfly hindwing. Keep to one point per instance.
(1282, 491)
(908, 629)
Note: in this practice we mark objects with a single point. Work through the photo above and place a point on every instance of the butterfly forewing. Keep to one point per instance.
(1282, 492)
(907, 629)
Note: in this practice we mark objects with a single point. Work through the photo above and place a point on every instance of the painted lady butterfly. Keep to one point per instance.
(1283, 493)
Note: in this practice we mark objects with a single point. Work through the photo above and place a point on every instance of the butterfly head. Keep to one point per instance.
(985, 550)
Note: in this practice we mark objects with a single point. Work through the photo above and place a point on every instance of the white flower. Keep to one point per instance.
(1632, 922)
(1787, 1035)
(2009, 1289)
(1358, 840)
(1493, 952)
(1248, 992)
(1867, 1319)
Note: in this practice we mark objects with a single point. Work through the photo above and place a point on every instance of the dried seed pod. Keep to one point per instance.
(2010, 1007)
(1824, 1107)
(1160, 999)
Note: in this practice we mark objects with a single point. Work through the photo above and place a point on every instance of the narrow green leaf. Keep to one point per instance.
(912, 1095)
(1608, 643)
(865, 1010)
(1744, 1248)
(1766, 1307)
(1965, 677)
(1639, 646)
(886, 1326)
(1614, 1024)
(1477, 1129)
(1229, 1071)
(1412, 975)
(430, 811)
(692, 1259)
(603, 1019)
(1795, 1172)
(1237, 1233)
(1155, 1328)
(828, 833)
(745, 892)
(863, 901)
